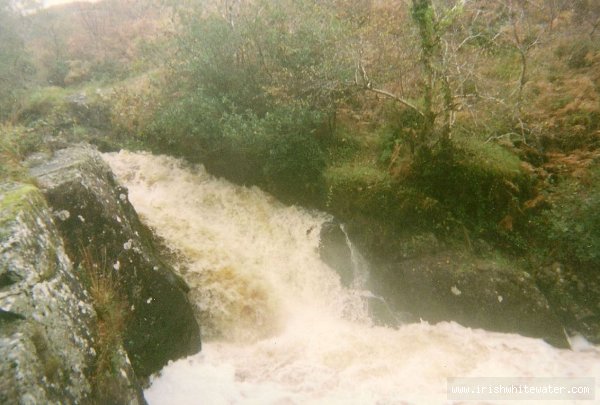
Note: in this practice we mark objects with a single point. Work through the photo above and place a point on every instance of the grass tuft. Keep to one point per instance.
(111, 308)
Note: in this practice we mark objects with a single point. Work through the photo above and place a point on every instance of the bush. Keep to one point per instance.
(380, 213)
(211, 66)
(570, 231)
(577, 58)
(57, 72)
(248, 100)
(278, 151)
(293, 169)
(15, 64)
(46, 103)
(133, 105)
(479, 183)
(402, 128)
(15, 144)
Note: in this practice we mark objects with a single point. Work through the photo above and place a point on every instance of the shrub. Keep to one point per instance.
(402, 128)
(15, 64)
(279, 151)
(248, 100)
(295, 161)
(570, 231)
(479, 183)
(578, 56)
(133, 105)
(343, 146)
(15, 144)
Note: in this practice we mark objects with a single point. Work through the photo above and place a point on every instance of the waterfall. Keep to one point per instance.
(278, 325)
(378, 309)
(360, 267)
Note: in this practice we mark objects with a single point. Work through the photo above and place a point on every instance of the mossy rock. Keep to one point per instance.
(47, 321)
(491, 293)
(378, 211)
(482, 187)
(567, 241)
(101, 228)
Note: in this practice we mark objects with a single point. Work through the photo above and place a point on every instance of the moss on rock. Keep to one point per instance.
(47, 322)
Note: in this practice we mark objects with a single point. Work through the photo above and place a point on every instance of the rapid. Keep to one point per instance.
(279, 327)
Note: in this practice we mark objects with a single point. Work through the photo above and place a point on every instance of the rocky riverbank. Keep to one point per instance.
(88, 309)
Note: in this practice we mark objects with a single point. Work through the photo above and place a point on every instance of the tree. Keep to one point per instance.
(523, 37)
(262, 54)
(255, 88)
(436, 93)
(554, 8)
(588, 12)
(15, 66)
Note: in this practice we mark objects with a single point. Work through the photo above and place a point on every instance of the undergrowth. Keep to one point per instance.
(111, 309)
(15, 144)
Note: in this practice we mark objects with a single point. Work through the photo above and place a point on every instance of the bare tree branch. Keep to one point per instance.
(398, 99)
(367, 85)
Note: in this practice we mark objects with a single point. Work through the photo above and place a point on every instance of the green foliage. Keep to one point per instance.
(577, 55)
(186, 127)
(361, 193)
(489, 155)
(108, 71)
(251, 96)
(279, 151)
(478, 183)
(570, 231)
(295, 161)
(43, 103)
(506, 68)
(110, 304)
(15, 144)
(72, 114)
(354, 175)
(423, 15)
(402, 127)
(381, 213)
(273, 53)
(343, 146)
(358, 189)
(57, 71)
(15, 67)
(353, 186)
(213, 65)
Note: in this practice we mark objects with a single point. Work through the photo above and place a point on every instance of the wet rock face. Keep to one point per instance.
(47, 322)
(574, 294)
(478, 293)
(335, 252)
(101, 228)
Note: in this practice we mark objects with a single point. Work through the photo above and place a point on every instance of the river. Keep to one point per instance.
(278, 326)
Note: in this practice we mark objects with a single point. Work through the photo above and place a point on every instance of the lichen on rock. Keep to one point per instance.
(104, 231)
(46, 316)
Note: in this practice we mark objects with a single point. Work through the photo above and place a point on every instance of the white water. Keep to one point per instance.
(280, 329)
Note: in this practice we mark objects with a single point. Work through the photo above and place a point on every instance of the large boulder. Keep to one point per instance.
(574, 293)
(337, 251)
(431, 282)
(488, 293)
(101, 229)
(48, 326)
